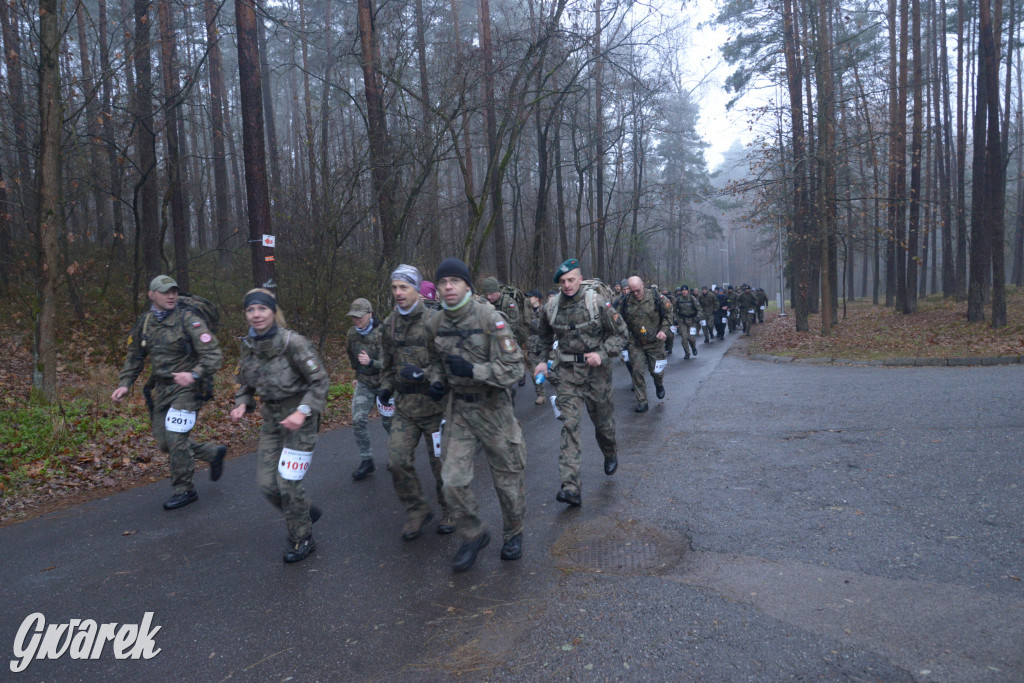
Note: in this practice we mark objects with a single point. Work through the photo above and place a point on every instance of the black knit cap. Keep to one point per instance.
(453, 267)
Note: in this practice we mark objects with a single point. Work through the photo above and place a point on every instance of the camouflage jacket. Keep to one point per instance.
(404, 340)
(481, 335)
(647, 316)
(508, 306)
(688, 310)
(370, 343)
(282, 366)
(709, 303)
(745, 301)
(181, 342)
(580, 328)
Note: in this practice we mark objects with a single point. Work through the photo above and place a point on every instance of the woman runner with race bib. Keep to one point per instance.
(284, 369)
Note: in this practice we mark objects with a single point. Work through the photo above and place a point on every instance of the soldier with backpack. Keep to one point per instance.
(481, 363)
(590, 333)
(283, 369)
(184, 355)
(647, 316)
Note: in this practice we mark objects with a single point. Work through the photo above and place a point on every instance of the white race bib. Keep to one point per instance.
(294, 464)
(180, 421)
(751, 311)
(554, 346)
(436, 436)
(674, 329)
(625, 356)
(659, 366)
(762, 308)
(703, 323)
(558, 413)
(725, 320)
(386, 410)
(693, 331)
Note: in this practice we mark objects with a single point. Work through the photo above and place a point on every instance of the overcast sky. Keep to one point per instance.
(720, 128)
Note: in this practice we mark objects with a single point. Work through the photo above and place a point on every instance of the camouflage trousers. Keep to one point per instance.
(405, 435)
(746, 320)
(364, 398)
(182, 451)
(285, 494)
(579, 385)
(688, 340)
(489, 424)
(642, 359)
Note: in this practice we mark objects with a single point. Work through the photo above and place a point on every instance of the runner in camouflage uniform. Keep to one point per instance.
(647, 316)
(364, 355)
(416, 382)
(688, 316)
(590, 333)
(182, 351)
(283, 368)
(533, 347)
(482, 362)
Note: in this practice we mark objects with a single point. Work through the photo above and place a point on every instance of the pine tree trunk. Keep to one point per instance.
(257, 195)
(50, 219)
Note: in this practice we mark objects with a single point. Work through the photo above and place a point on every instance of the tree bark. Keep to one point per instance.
(383, 175)
(148, 221)
(800, 239)
(493, 181)
(910, 294)
(220, 166)
(256, 192)
(172, 115)
(50, 218)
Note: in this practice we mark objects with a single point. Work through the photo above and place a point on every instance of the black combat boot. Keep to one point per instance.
(513, 548)
(466, 556)
(180, 500)
(300, 550)
(364, 469)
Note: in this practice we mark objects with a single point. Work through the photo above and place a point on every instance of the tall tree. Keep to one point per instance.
(254, 153)
(172, 115)
(50, 218)
(222, 224)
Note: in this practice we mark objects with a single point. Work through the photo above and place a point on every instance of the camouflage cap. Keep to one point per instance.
(360, 307)
(162, 283)
(490, 285)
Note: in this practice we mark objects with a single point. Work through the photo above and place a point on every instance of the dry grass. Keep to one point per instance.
(939, 329)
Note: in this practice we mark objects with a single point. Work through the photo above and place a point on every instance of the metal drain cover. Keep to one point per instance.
(618, 547)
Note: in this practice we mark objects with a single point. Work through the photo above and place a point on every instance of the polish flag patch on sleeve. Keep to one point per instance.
(500, 325)
(196, 324)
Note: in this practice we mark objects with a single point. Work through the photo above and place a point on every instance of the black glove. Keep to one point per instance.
(411, 372)
(436, 391)
(384, 396)
(522, 380)
(459, 366)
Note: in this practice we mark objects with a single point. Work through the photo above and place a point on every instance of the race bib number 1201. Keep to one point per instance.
(180, 421)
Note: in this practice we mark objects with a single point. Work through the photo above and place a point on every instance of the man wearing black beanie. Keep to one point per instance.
(482, 362)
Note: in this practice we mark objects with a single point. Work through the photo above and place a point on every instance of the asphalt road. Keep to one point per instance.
(767, 522)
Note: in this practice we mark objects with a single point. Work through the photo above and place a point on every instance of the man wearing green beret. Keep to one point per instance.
(590, 333)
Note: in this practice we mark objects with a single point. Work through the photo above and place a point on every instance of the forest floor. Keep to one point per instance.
(939, 329)
(87, 447)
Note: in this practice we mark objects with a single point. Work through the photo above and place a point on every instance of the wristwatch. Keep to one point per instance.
(305, 410)
(195, 375)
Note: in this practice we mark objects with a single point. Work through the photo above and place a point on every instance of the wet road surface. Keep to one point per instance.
(766, 522)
